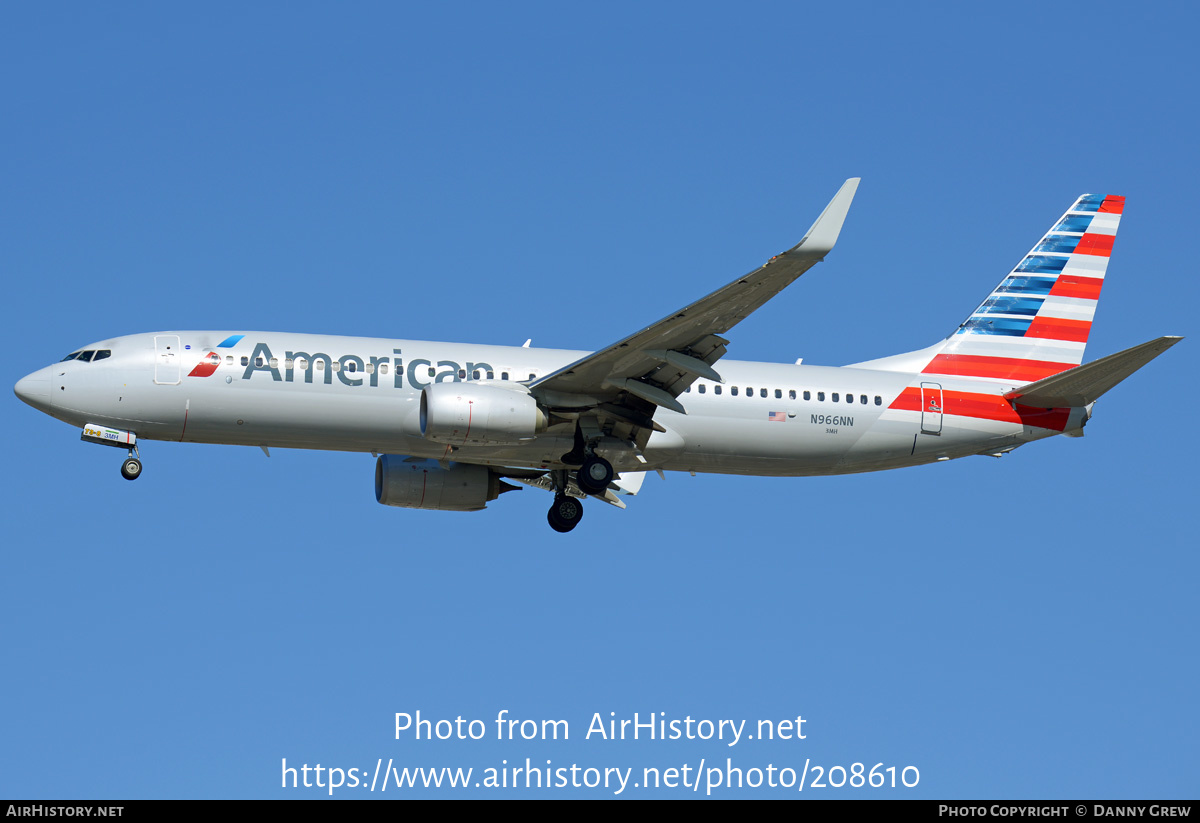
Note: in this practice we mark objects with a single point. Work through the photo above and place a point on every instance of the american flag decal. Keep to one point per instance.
(776, 417)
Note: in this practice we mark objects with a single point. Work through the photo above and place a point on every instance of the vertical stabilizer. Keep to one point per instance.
(1036, 322)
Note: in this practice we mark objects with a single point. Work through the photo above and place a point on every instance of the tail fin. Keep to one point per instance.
(1036, 322)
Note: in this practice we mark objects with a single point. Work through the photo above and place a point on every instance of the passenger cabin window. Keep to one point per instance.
(701, 388)
(462, 374)
(503, 375)
(383, 368)
(475, 374)
(807, 395)
(821, 396)
(245, 360)
(779, 394)
(229, 360)
(733, 390)
(432, 371)
(716, 389)
(762, 392)
(863, 399)
(834, 397)
(491, 375)
(849, 398)
(878, 400)
(351, 366)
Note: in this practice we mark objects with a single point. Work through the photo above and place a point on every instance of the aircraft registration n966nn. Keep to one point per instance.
(451, 423)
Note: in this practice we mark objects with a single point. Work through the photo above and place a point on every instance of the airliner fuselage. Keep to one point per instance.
(362, 394)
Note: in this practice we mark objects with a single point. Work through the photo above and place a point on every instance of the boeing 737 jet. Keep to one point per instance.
(451, 424)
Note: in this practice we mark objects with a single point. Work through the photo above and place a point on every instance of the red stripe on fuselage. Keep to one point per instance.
(1071, 285)
(986, 407)
(1000, 368)
(1099, 245)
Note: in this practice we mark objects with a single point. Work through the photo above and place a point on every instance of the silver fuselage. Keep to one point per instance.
(362, 394)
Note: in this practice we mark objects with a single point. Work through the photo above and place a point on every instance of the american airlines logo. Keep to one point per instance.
(351, 369)
(207, 365)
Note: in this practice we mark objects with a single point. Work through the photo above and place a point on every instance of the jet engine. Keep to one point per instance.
(416, 483)
(479, 414)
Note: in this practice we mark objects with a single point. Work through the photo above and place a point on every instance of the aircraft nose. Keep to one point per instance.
(34, 389)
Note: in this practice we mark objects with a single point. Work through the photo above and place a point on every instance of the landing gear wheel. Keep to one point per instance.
(131, 469)
(595, 475)
(565, 514)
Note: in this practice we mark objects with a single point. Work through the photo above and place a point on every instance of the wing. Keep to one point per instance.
(627, 381)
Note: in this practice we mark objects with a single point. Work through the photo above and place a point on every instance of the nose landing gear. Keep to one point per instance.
(131, 469)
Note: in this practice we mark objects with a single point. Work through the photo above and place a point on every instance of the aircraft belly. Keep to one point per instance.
(337, 420)
(302, 417)
(784, 444)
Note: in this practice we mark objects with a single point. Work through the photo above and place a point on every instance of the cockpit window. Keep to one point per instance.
(88, 356)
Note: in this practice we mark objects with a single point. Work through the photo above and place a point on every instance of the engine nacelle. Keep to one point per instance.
(479, 414)
(423, 484)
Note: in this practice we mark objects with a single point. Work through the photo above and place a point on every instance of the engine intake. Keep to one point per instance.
(479, 414)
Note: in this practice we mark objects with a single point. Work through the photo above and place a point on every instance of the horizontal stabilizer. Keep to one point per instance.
(1084, 384)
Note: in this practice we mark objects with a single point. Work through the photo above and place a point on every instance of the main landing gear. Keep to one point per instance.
(592, 477)
(131, 469)
(565, 514)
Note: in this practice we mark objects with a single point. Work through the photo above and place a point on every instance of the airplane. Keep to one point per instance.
(450, 424)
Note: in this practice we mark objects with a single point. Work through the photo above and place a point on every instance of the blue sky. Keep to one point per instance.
(1022, 627)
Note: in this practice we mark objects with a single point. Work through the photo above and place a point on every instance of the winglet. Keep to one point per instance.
(820, 238)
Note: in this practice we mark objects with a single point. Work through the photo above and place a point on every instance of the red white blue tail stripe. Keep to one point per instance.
(1036, 322)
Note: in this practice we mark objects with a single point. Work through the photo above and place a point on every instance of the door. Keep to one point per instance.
(931, 408)
(166, 359)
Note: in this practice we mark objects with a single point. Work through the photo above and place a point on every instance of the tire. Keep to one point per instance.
(565, 514)
(594, 475)
(131, 469)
